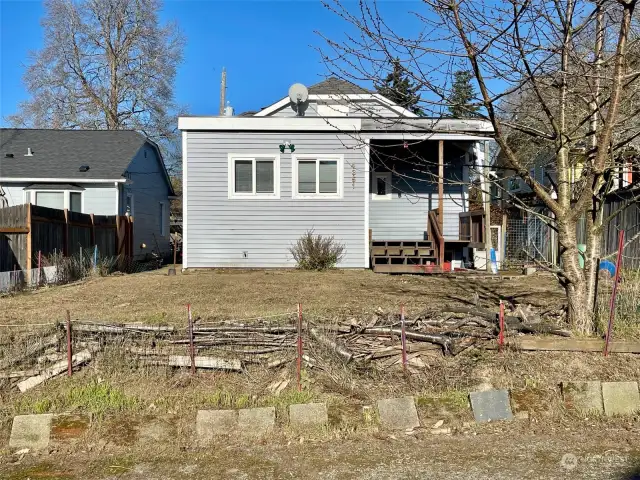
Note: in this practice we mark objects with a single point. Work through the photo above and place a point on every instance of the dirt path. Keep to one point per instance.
(592, 454)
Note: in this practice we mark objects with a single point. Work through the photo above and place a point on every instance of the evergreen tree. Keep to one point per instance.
(398, 87)
(462, 94)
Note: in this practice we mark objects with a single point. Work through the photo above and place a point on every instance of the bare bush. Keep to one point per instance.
(317, 252)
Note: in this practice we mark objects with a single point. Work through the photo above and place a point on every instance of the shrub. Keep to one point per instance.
(315, 252)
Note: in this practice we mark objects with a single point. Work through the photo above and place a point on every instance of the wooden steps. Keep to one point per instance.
(404, 256)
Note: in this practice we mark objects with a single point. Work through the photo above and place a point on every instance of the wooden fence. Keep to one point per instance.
(29, 230)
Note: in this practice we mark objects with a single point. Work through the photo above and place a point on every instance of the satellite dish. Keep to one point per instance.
(298, 93)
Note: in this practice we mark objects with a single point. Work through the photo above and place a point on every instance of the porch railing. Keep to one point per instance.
(435, 234)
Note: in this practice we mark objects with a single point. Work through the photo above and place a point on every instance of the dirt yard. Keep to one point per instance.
(154, 297)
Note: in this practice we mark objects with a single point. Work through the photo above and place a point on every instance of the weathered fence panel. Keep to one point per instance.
(29, 230)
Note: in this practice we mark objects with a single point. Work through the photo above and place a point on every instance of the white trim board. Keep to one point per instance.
(338, 97)
(367, 177)
(61, 180)
(291, 124)
(185, 200)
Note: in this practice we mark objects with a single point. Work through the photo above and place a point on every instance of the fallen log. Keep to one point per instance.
(31, 350)
(200, 362)
(441, 340)
(119, 328)
(335, 347)
(54, 370)
(257, 329)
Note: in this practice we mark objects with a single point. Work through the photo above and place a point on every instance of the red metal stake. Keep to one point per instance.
(69, 350)
(192, 350)
(501, 334)
(614, 294)
(299, 347)
(403, 339)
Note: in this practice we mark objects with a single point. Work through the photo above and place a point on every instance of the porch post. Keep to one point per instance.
(441, 185)
(441, 199)
(487, 205)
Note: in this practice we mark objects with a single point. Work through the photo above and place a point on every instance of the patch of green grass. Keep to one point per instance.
(226, 399)
(450, 402)
(286, 398)
(99, 398)
(43, 470)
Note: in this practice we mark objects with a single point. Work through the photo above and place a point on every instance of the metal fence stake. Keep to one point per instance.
(614, 293)
(403, 339)
(299, 368)
(192, 350)
(501, 334)
(69, 348)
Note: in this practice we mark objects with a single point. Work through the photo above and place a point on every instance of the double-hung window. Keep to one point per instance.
(254, 176)
(381, 186)
(317, 176)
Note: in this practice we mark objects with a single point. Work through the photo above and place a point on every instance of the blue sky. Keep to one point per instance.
(264, 45)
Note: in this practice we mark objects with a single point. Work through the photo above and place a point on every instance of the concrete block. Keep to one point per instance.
(491, 406)
(256, 421)
(308, 415)
(213, 423)
(586, 397)
(31, 431)
(398, 413)
(620, 398)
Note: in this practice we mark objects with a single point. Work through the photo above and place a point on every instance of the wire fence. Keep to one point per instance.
(529, 239)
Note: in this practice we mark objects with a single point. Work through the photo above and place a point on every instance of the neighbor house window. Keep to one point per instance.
(50, 199)
(75, 202)
(381, 186)
(255, 176)
(317, 176)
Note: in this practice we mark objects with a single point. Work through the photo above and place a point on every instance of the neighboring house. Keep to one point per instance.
(101, 172)
(354, 165)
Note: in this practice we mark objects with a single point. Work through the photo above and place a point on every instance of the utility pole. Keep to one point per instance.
(223, 90)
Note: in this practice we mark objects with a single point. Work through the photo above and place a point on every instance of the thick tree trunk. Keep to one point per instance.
(579, 282)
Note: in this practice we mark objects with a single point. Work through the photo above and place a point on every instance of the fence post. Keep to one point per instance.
(93, 230)
(614, 293)
(192, 350)
(69, 350)
(403, 339)
(29, 264)
(299, 369)
(39, 267)
(501, 334)
(65, 234)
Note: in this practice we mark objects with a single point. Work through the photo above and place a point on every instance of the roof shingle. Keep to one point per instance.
(61, 153)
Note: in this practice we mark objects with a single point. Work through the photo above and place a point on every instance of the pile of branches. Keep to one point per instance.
(230, 346)
(450, 330)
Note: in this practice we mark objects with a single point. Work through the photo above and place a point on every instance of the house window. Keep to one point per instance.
(75, 202)
(381, 186)
(254, 177)
(50, 199)
(317, 176)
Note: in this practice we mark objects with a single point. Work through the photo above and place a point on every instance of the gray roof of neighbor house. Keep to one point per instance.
(61, 153)
(333, 85)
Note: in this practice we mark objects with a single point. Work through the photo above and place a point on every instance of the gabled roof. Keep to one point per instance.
(342, 90)
(61, 153)
(333, 85)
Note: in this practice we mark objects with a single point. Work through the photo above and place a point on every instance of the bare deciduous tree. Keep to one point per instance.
(105, 64)
(559, 75)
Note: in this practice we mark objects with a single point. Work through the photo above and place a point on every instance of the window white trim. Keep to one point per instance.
(340, 176)
(185, 201)
(367, 177)
(388, 186)
(231, 177)
(66, 195)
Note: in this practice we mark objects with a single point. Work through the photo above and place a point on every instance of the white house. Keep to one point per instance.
(346, 162)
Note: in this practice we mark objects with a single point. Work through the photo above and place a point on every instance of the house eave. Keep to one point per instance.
(62, 180)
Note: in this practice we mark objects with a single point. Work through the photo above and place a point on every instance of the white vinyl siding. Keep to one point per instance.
(220, 230)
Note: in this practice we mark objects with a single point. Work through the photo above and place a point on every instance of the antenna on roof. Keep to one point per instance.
(298, 94)
(223, 90)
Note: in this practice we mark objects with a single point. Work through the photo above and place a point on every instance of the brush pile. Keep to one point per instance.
(30, 359)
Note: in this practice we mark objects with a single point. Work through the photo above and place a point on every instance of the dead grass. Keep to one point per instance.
(154, 297)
